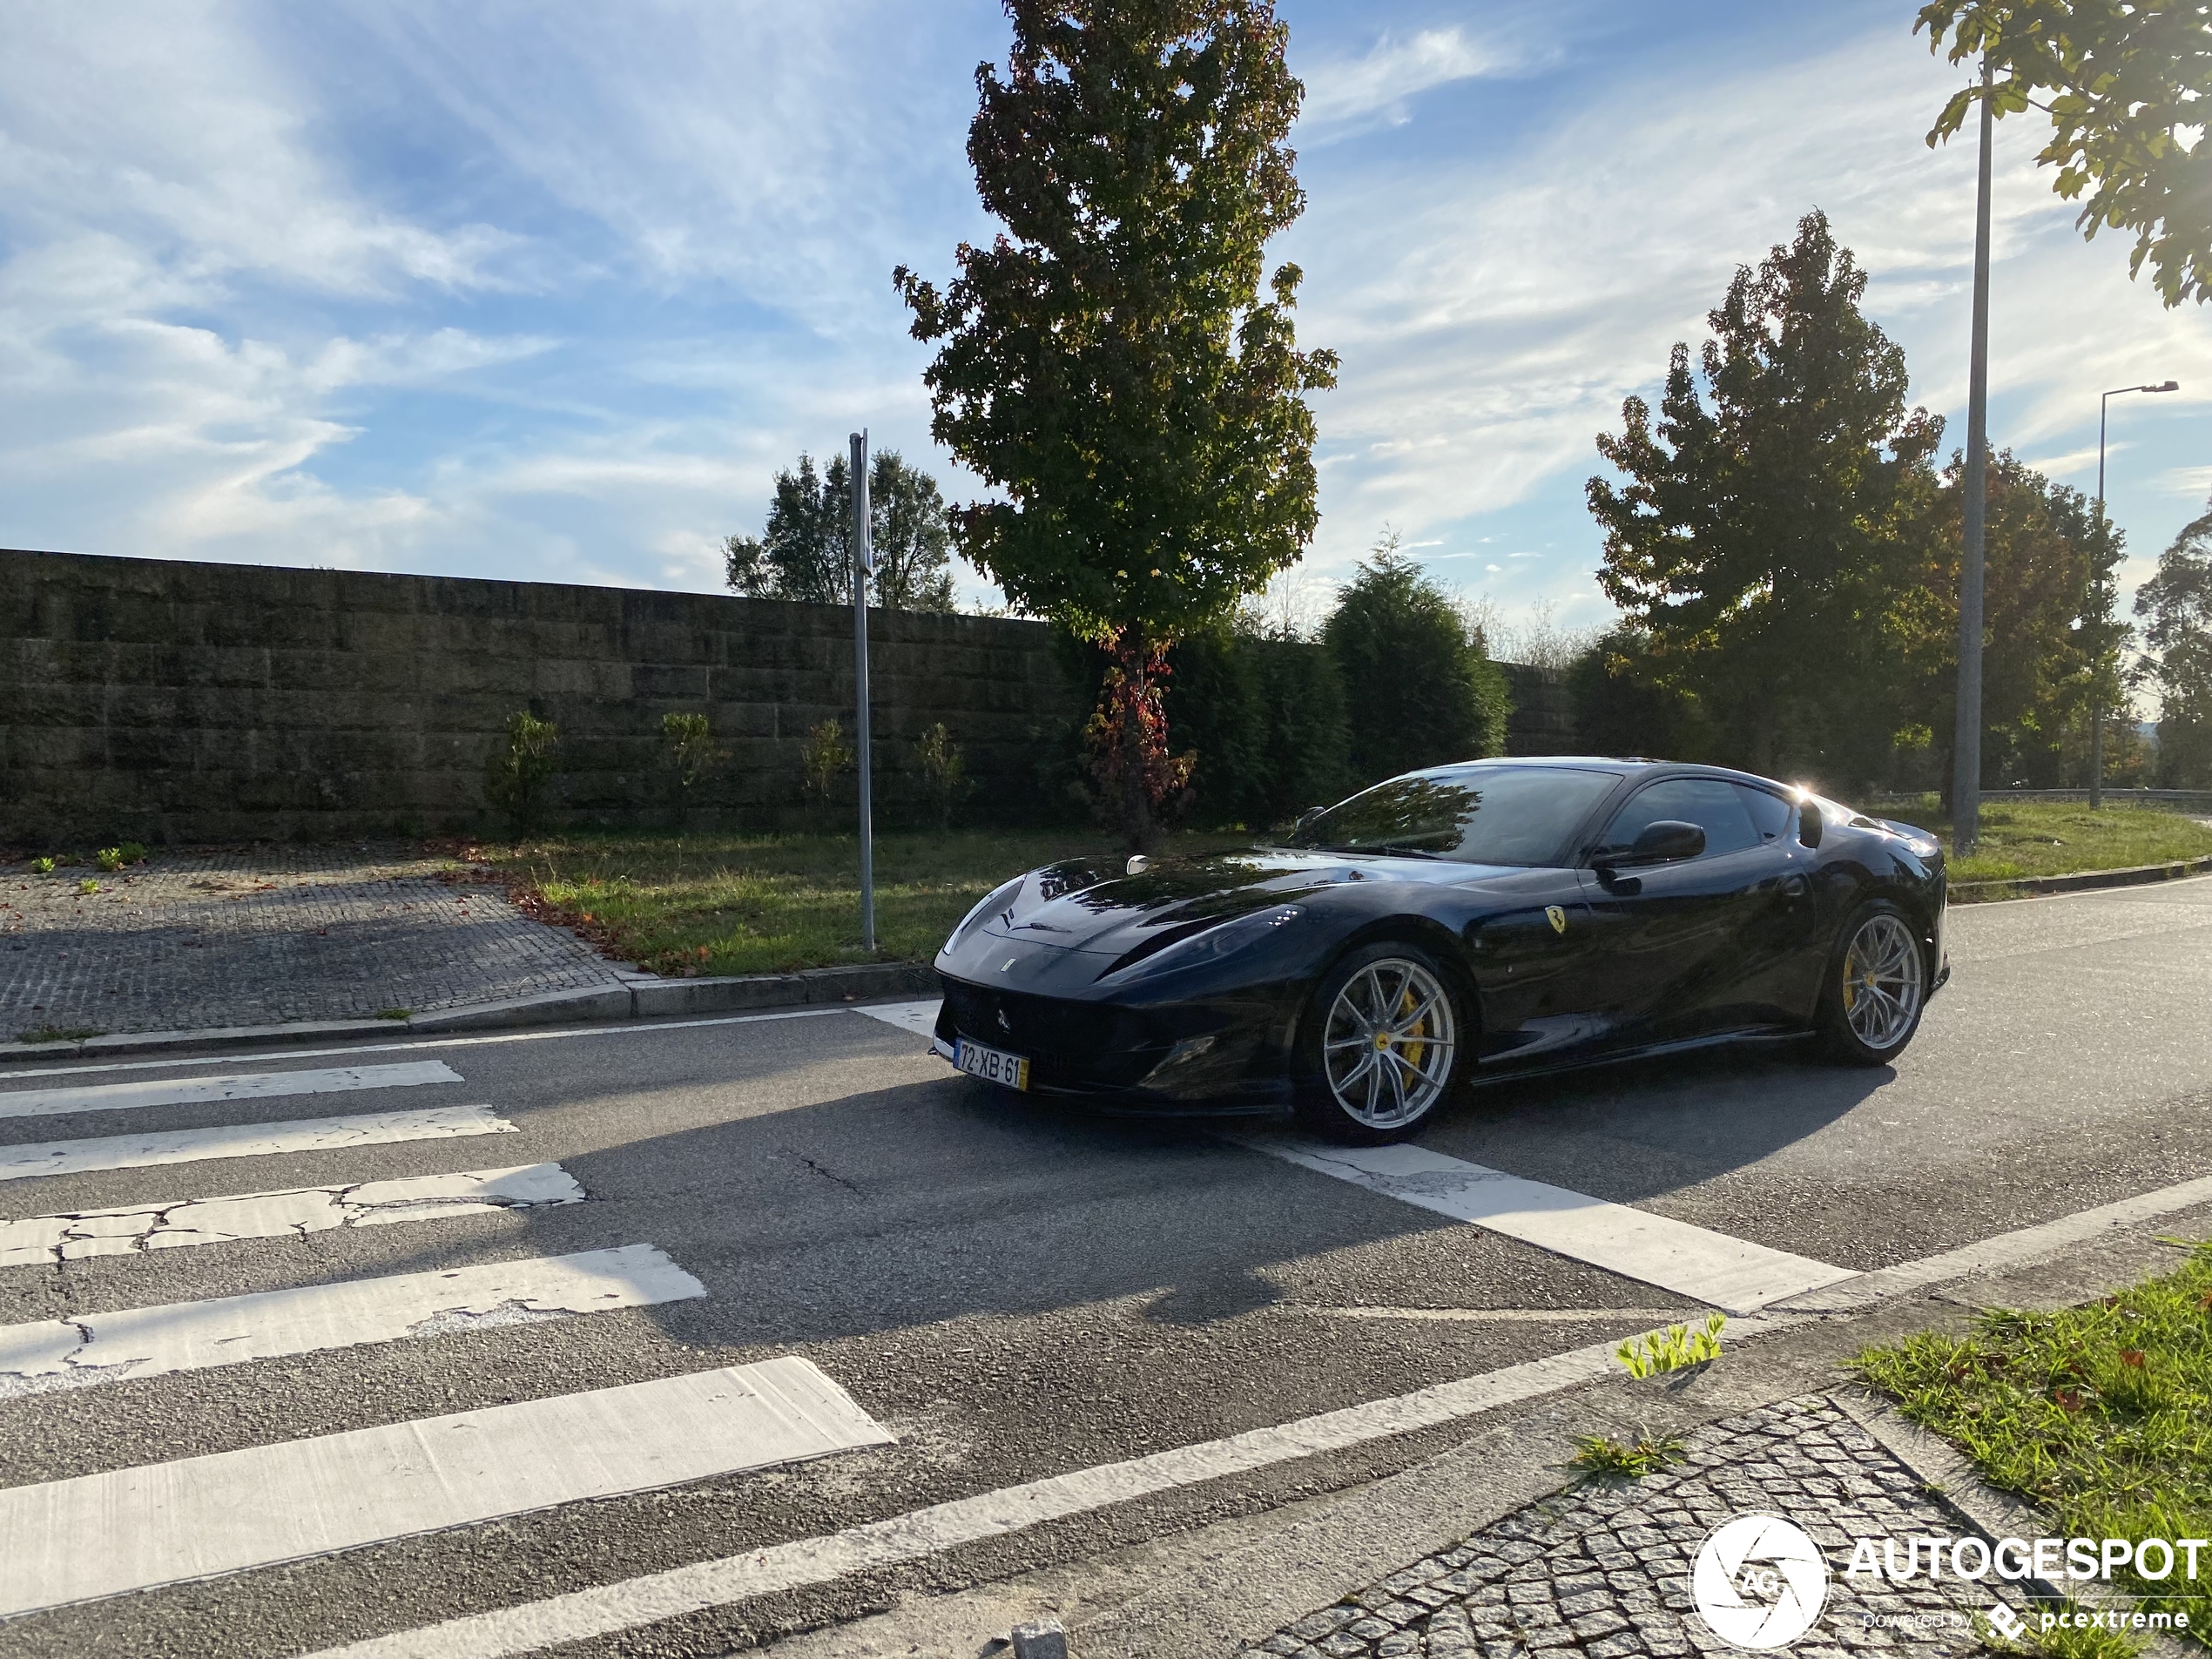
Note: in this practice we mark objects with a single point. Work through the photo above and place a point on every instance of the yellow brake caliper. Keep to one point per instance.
(1416, 1049)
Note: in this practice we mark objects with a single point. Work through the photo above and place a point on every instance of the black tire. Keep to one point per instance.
(1413, 1078)
(1866, 941)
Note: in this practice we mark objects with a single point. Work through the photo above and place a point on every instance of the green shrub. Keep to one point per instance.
(132, 853)
(1418, 689)
(944, 774)
(108, 859)
(825, 757)
(1620, 709)
(688, 755)
(1266, 718)
(88, 886)
(516, 777)
(42, 866)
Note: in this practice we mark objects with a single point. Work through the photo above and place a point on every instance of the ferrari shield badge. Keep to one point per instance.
(1557, 917)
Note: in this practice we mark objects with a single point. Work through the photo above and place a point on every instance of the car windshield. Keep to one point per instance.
(1480, 815)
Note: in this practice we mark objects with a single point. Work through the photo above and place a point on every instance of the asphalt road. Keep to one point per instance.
(1013, 1289)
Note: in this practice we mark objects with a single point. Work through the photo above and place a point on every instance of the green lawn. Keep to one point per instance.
(757, 904)
(2102, 1415)
(2036, 838)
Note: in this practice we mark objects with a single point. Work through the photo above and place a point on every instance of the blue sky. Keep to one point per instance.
(551, 291)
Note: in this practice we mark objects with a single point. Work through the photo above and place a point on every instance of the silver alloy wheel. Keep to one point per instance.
(1388, 1045)
(1882, 974)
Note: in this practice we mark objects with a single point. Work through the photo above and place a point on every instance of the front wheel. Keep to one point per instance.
(1876, 987)
(1381, 1046)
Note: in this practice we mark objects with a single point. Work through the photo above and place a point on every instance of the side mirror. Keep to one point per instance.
(1666, 842)
(1305, 817)
(1137, 865)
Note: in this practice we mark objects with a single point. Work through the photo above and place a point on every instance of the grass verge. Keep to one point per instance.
(760, 904)
(2102, 1415)
(2049, 837)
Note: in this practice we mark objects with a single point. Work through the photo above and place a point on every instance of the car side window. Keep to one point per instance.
(1713, 803)
(1771, 815)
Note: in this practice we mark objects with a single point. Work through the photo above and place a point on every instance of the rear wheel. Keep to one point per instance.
(1381, 1046)
(1875, 988)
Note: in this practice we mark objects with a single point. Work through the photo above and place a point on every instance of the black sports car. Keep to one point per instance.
(1452, 926)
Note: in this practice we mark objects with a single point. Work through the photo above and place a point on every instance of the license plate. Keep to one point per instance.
(992, 1065)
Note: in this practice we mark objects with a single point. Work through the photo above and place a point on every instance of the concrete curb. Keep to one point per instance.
(2086, 882)
(637, 997)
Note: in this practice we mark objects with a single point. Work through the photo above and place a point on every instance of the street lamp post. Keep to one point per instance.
(2096, 702)
(1965, 747)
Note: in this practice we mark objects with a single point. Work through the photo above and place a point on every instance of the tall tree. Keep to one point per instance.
(2177, 604)
(2128, 80)
(806, 552)
(1418, 689)
(1753, 543)
(1109, 362)
(912, 541)
(2046, 564)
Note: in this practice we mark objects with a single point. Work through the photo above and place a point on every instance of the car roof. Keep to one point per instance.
(1627, 766)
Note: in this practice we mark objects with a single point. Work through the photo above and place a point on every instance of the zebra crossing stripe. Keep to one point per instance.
(1732, 1274)
(245, 1140)
(251, 1085)
(165, 1524)
(43, 1240)
(94, 1348)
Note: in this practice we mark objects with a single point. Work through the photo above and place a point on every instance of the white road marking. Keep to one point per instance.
(918, 1017)
(1510, 1315)
(94, 1348)
(43, 1240)
(1731, 1274)
(245, 1140)
(625, 1027)
(248, 1085)
(163, 1523)
(625, 1605)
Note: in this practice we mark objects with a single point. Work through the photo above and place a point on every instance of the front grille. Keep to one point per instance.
(1078, 1034)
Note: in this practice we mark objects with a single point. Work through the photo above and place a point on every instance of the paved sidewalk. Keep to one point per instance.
(1603, 1569)
(266, 935)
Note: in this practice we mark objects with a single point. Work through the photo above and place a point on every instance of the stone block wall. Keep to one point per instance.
(158, 700)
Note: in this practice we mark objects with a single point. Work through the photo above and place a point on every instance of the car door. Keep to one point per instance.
(1691, 946)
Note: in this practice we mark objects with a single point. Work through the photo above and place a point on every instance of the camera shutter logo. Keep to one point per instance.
(1759, 1582)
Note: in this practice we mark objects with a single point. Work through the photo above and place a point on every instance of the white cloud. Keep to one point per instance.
(1346, 94)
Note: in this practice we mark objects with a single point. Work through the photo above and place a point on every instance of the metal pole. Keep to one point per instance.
(1965, 756)
(863, 568)
(2096, 700)
(2104, 574)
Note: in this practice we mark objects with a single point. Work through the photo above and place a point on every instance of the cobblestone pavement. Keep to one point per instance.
(265, 935)
(1603, 1569)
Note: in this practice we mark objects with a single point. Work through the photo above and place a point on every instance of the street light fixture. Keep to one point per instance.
(2096, 707)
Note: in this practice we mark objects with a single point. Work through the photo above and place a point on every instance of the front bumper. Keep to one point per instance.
(1211, 1055)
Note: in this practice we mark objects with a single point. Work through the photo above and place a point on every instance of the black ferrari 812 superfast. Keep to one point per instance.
(1452, 926)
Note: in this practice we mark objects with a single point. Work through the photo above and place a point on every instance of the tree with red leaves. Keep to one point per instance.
(1110, 364)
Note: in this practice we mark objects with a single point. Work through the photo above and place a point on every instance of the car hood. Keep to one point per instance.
(1069, 904)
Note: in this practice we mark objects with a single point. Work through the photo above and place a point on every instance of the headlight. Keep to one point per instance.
(1213, 944)
(989, 904)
